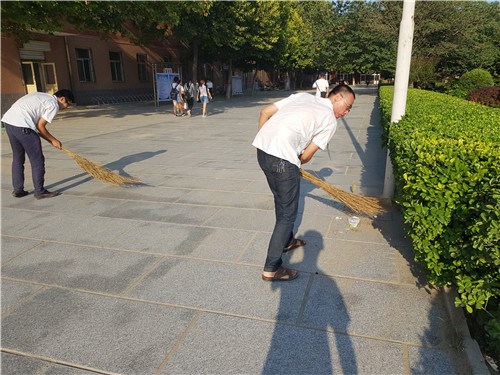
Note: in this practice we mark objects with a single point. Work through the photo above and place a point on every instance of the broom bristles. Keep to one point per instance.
(98, 172)
(357, 203)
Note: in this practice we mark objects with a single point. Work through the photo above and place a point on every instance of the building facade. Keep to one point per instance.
(96, 70)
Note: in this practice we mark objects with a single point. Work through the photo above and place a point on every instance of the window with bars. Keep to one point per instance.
(142, 66)
(84, 64)
(115, 61)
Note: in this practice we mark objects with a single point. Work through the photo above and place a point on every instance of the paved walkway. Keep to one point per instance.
(165, 278)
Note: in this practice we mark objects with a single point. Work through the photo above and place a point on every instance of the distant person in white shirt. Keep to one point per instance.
(321, 85)
(290, 132)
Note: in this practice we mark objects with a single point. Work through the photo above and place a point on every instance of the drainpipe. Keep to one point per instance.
(69, 64)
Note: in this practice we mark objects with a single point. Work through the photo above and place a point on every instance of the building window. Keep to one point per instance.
(142, 66)
(84, 63)
(115, 60)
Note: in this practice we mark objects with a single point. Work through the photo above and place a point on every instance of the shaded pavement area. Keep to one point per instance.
(165, 277)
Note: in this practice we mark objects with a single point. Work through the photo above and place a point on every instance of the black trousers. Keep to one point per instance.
(26, 141)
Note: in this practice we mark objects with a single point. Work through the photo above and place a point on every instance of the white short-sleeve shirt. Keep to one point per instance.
(321, 85)
(300, 119)
(28, 110)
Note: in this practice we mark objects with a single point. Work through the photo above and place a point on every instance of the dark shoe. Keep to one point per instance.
(282, 274)
(47, 194)
(19, 194)
(295, 243)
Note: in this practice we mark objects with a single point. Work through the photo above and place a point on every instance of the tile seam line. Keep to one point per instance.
(207, 227)
(313, 273)
(178, 343)
(55, 361)
(173, 203)
(234, 315)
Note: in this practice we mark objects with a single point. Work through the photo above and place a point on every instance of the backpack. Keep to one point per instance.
(187, 95)
(174, 92)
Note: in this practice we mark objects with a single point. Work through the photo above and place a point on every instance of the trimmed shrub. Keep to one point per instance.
(486, 95)
(446, 160)
(469, 81)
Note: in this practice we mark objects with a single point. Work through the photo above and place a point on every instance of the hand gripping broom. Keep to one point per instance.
(357, 203)
(100, 173)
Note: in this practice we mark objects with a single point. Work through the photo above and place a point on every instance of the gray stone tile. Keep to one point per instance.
(195, 182)
(311, 225)
(94, 331)
(227, 288)
(68, 203)
(67, 370)
(369, 230)
(18, 222)
(339, 258)
(321, 203)
(389, 311)
(256, 252)
(229, 199)
(243, 219)
(14, 292)
(425, 361)
(259, 186)
(241, 174)
(12, 246)
(141, 193)
(61, 227)
(13, 364)
(255, 347)
(345, 258)
(86, 268)
(165, 212)
(191, 241)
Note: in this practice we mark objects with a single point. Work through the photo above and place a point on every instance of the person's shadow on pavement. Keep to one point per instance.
(306, 347)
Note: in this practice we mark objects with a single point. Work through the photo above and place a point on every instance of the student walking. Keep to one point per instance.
(180, 99)
(174, 93)
(203, 96)
(189, 91)
(321, 85)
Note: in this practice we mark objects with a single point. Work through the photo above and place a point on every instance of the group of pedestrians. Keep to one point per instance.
(183, 95)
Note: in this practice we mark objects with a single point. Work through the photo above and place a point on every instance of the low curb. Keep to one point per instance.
(470, 346)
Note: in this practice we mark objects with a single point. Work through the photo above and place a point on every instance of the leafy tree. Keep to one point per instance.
(192, 28)
(141, 21)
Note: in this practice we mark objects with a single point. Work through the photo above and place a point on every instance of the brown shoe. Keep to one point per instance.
(295, 243)
(19, 194)
(282, 274)
(47, 194)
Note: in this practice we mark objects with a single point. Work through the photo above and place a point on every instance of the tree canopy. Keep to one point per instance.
(346, 36)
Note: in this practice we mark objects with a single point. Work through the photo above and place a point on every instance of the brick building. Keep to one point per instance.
(96, 70)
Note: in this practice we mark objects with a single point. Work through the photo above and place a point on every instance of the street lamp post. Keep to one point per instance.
(401, 83)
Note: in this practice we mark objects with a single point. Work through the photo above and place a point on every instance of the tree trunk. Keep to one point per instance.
(287, 81)
(229, 80)
(253, 81)
(195, 60)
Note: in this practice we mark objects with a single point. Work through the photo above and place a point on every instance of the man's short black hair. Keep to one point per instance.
(64, 93)
(344, 90)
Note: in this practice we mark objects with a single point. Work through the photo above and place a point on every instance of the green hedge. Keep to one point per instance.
(469, 81)
(446, 161)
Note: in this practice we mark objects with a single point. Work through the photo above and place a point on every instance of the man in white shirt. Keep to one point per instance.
(25, 122)
(321, 85)
(290, 132)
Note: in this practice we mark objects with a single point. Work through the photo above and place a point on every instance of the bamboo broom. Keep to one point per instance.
(357, 203)
(98, 172)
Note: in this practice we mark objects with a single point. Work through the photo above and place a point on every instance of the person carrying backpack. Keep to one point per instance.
(174, 93)
(189, 91)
